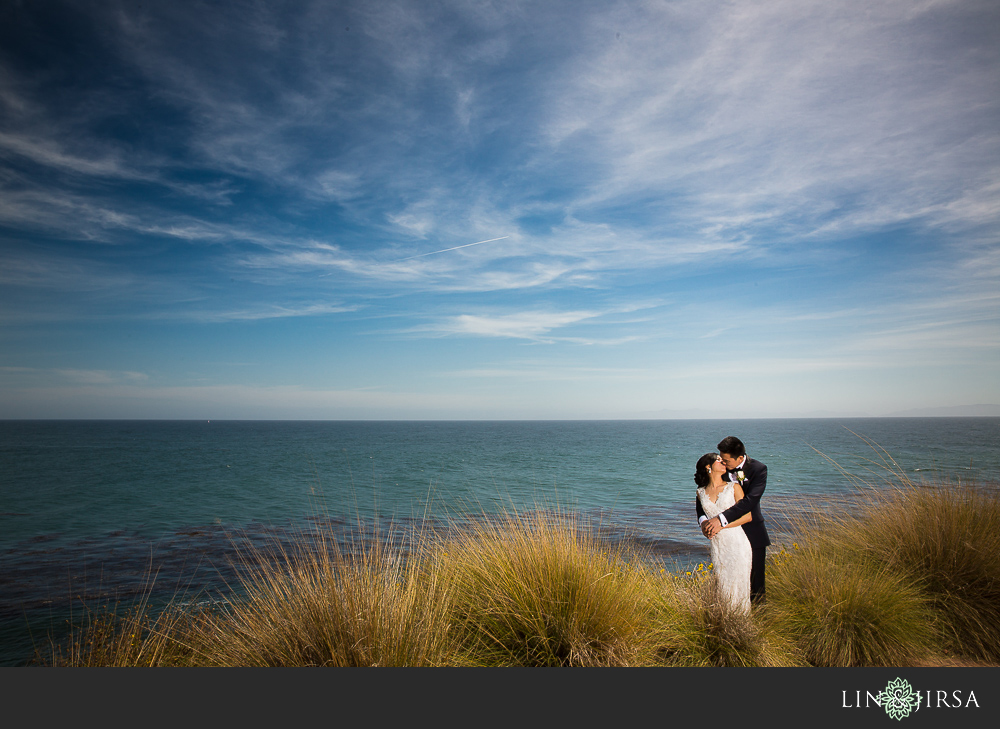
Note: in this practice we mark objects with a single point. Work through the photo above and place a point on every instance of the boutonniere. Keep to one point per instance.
(740, 476)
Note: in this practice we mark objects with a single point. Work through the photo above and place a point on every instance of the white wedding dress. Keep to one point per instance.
(731, 552)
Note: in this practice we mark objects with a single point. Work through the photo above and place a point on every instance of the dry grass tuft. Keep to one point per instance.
(843, 611)
(701, 629)
(539, 591)
(944, 539)
(318, 607)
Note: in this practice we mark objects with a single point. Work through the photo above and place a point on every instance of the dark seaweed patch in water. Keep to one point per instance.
(43, 538)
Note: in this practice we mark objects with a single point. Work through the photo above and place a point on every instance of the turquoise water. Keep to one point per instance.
(87, 507)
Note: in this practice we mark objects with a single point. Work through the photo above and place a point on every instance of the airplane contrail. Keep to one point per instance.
(445, 250)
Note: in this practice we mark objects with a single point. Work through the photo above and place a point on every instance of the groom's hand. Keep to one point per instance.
(711, 527)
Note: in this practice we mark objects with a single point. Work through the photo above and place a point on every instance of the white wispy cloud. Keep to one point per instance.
(19, 376)
(268, 312)
(230, 401)
(544, 371)
(539, 325)
(524, 325)
(45, 151)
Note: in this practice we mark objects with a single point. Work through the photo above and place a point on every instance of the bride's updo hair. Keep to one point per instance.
(701, 476)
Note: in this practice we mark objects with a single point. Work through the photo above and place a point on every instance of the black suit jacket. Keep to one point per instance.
(754, 483)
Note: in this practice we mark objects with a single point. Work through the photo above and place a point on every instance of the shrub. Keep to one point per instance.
(134, 636)
(703, 630)
(945, 538)
(843, 611)
(537, 591)
(319, 607)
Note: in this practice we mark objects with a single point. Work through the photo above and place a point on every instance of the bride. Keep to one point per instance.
(731, 552)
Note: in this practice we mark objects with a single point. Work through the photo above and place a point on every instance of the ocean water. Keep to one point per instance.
(88, 509)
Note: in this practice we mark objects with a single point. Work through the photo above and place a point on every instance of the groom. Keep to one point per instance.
(752, 476)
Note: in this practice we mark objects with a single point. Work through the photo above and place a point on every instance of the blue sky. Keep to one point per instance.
(344, 210)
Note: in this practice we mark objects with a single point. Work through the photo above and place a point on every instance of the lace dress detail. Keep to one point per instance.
(731, 552)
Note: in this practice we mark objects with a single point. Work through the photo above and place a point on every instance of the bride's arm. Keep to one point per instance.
(738, 493)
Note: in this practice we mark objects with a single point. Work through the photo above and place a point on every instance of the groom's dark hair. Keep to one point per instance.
(732, 445)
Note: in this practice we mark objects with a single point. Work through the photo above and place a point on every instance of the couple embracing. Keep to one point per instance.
(728, 503)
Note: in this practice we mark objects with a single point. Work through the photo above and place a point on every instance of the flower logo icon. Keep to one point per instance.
(899, 699)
